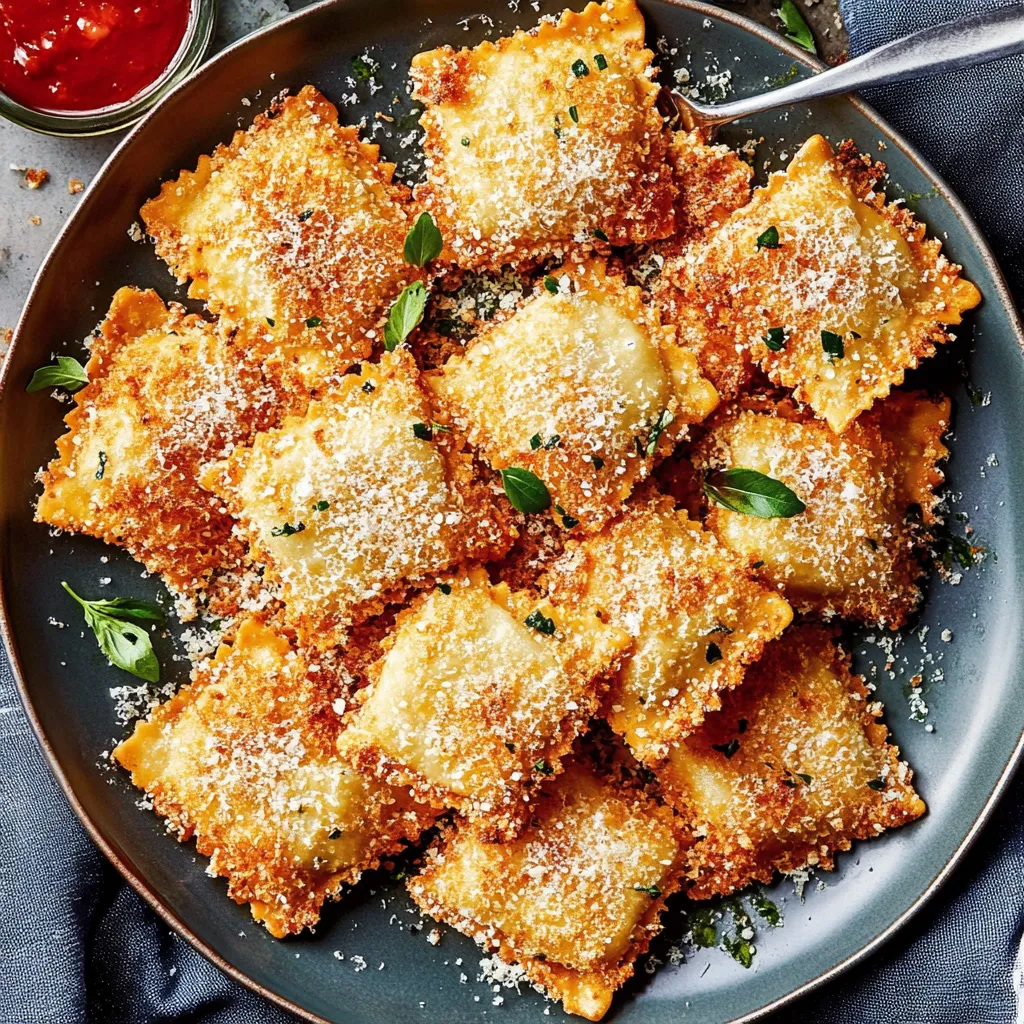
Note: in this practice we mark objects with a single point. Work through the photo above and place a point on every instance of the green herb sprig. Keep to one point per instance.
(68, 373)
(114, 624)
(405, 315)
(423, 243)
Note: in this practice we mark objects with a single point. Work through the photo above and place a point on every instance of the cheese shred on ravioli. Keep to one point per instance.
(365, 494)
(295, 231)
(168, 394)
(244, 760)
(547, 141)
(575, 899)
(793, 767)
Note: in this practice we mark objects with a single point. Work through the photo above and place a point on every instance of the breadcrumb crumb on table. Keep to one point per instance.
(294, 230)
(244, 760)
(695, 612)
(574, 900)
(793, 767)
(842, 262)
(365, 493)
(168, 393)
(545, 142)
(583, 386)
(479, 698)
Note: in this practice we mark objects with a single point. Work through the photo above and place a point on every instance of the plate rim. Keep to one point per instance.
(106, 846)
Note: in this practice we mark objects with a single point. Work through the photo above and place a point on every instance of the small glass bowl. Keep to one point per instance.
(190, 55)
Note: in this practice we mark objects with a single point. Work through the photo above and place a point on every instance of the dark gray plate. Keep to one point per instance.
(977, 711)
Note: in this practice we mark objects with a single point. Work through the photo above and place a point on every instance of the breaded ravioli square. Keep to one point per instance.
(583, 386)
(832, 292)
(294, 230)
(575, 899)
(168, 393)
(695, 612)
(793, 767)
(547, 141)
(364, 494)
(480, 696)
(852, 551)
(244, 759)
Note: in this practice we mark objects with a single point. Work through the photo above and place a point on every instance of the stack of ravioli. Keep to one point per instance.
(409, 657)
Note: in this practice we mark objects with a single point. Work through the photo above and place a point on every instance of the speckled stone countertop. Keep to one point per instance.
(31, 218)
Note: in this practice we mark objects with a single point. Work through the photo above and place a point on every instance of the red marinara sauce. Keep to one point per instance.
(63, 55)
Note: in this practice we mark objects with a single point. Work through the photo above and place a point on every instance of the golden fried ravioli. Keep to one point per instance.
(832, 292)
(575, 899)
(294, 230)
(365, 493)
(851, 552)
(546, 141)
(168, 393)
(793, 767)
(244, 759)
(695, 612)
(480, 696)
(582, 386)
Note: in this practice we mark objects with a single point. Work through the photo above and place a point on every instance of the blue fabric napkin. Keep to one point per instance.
(77, 945)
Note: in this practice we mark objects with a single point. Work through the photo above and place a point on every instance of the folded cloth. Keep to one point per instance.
(960, 960)
(78, 945)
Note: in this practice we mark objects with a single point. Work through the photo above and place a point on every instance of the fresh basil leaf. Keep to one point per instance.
(797, 30)
(752, 494)
(405, 315)
(423, 243)
(768, 239)
(832, 345)
(126, 645)
(129, 608)
(526, 491)
(68, 374)
(775, 339)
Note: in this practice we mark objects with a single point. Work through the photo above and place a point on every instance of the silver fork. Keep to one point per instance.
(948, 47)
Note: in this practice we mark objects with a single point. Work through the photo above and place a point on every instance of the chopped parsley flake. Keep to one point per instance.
(597, 462)
(445, 588)
(368, 387)
(422, 431)
(102, 468)
(270, 321)
(465, 140)
(768, 239)
(540, 622)
(599, 234)
(305, 215)
(313, 321)
(575, 115)
(580, 69)
(364, 69)
(600, 61)
(652, 890)
(832, 345)
(766, 909)
(543, 768)
(775, 339)
(287, 530)
(704, 931)
(551, 284)
(876, 784)
(322, 506)
(728, 749)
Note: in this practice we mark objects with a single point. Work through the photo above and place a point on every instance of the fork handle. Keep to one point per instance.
(931, 51)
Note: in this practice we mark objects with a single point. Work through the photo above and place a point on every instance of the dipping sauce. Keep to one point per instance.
(77, 55)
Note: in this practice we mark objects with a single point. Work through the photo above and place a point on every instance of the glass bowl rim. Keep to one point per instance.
(190, 54)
